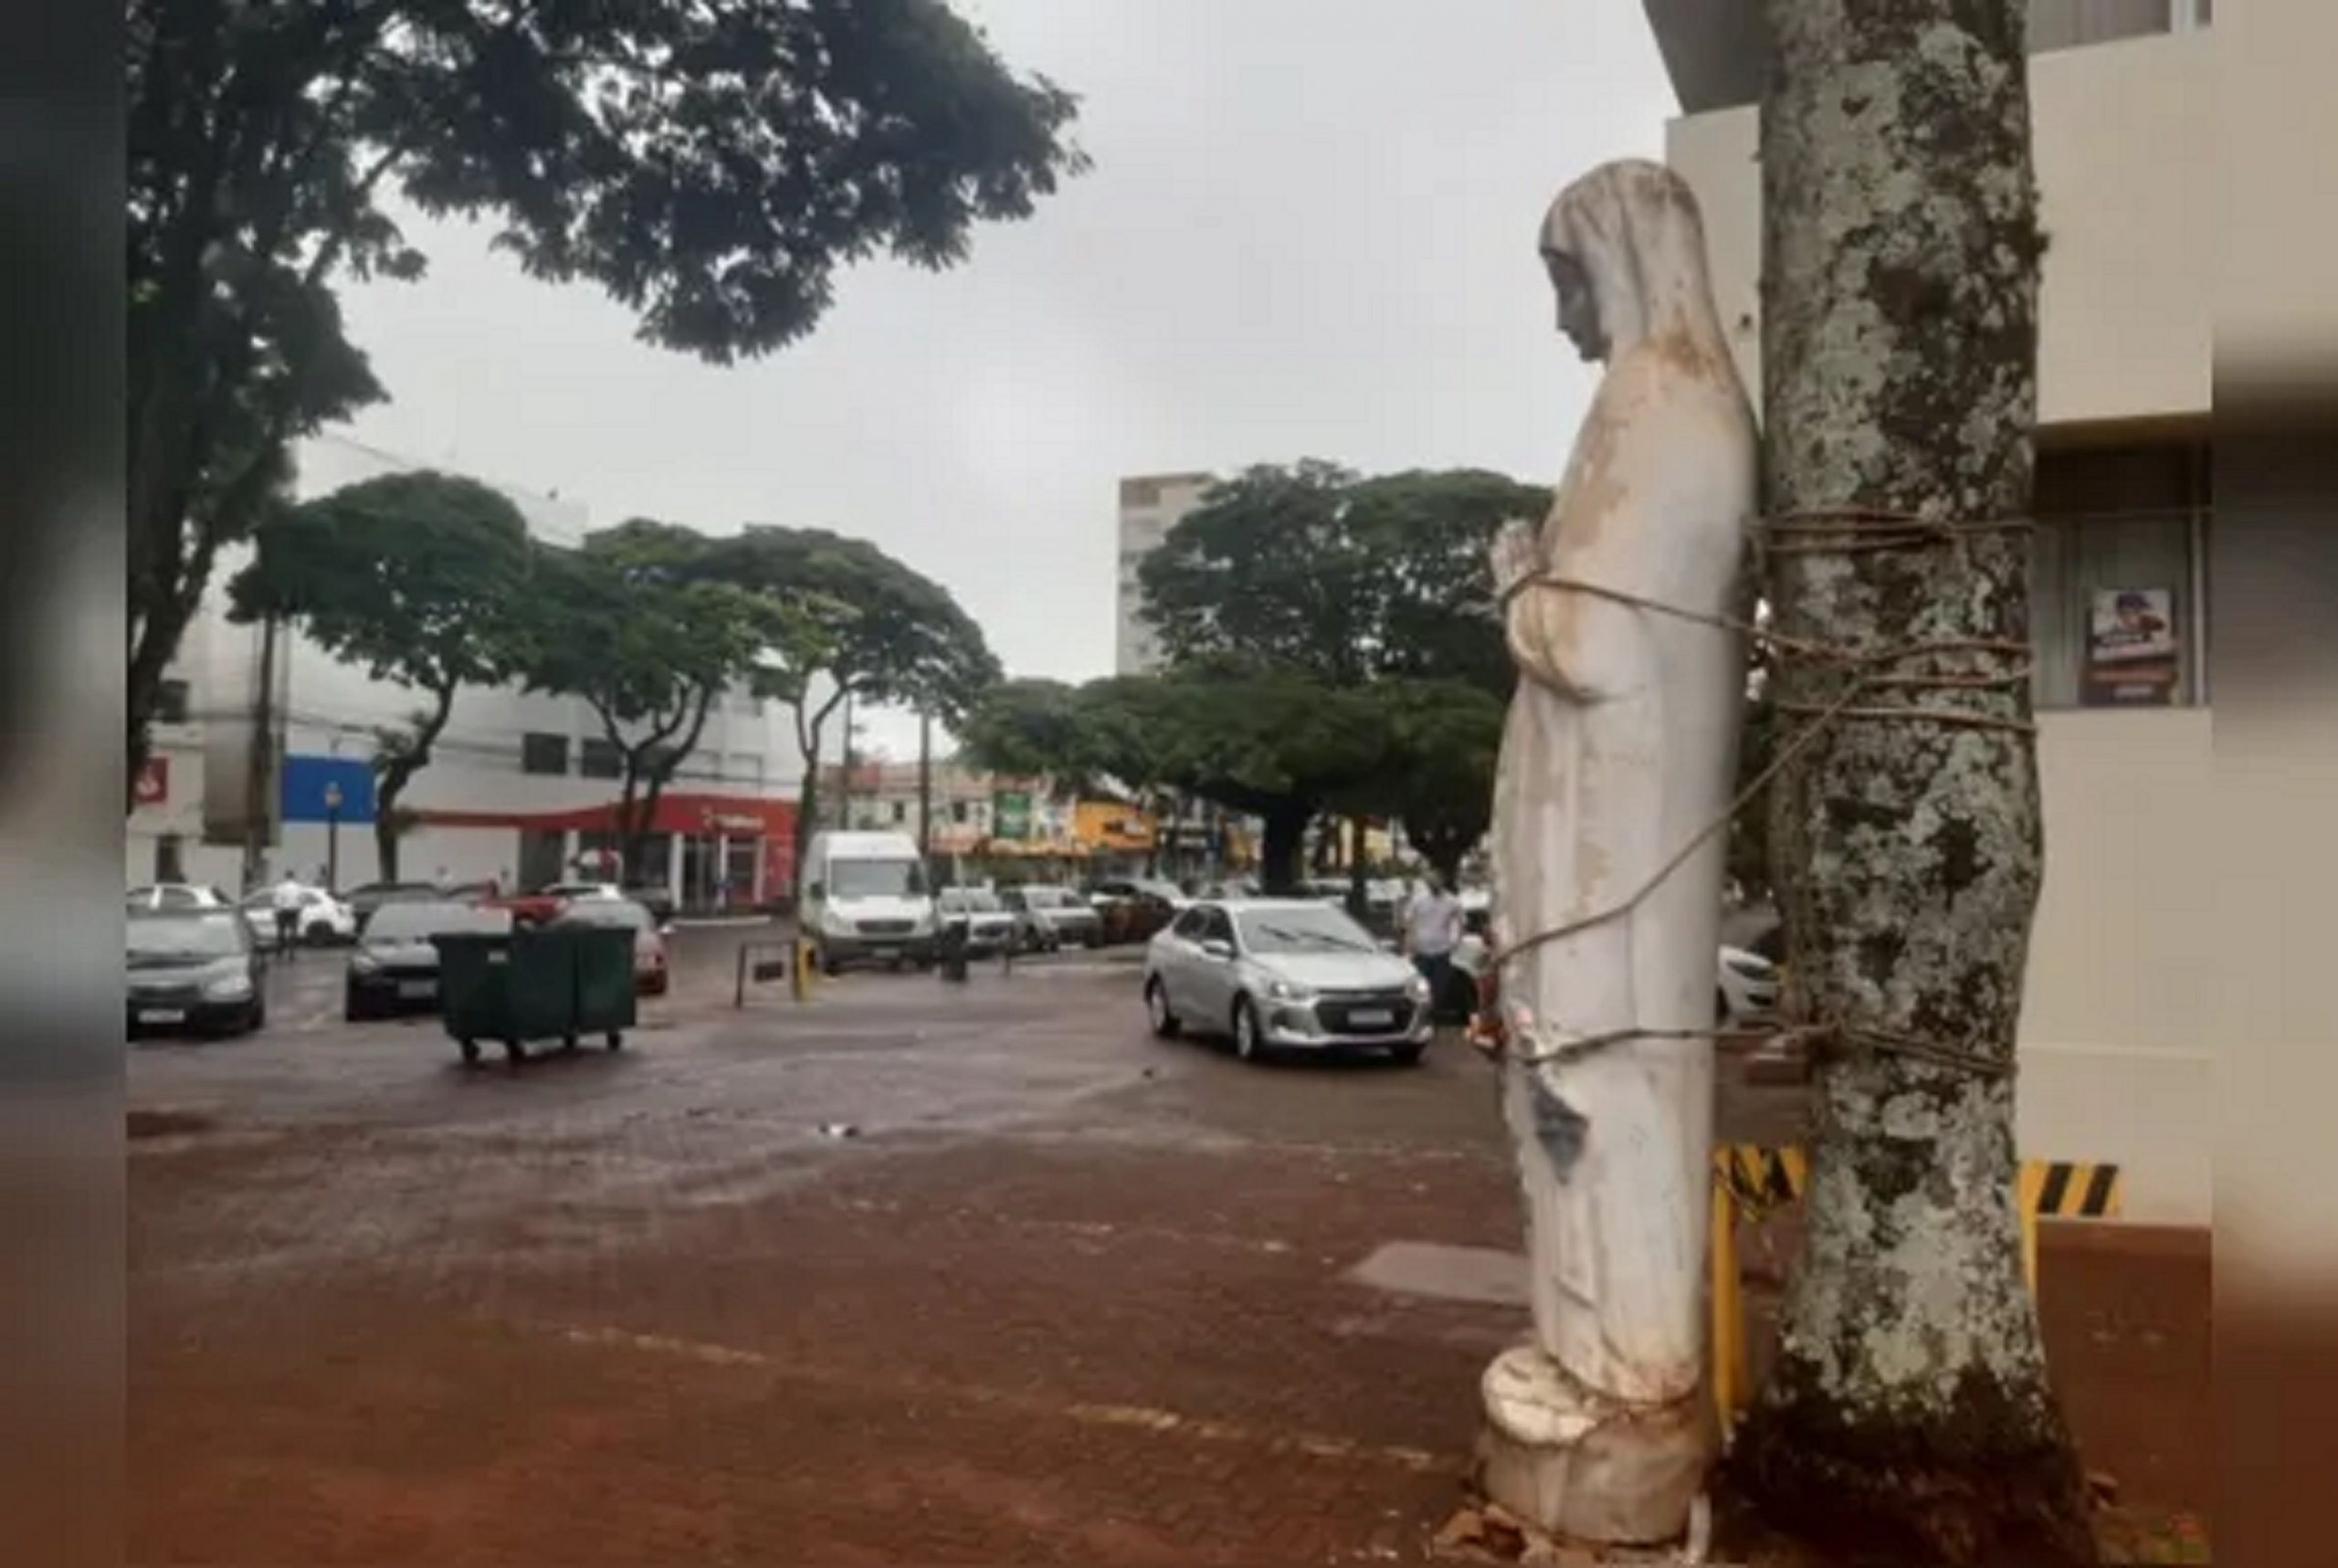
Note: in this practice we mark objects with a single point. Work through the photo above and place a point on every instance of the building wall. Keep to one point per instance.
(2116, 1049)
(1151, 505)
(329, 710)
(2125, 142)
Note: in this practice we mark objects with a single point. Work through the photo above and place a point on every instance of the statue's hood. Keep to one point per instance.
(1633, 227)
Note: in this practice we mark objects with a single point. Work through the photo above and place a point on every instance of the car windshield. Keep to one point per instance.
(413, 921)
(965, 900)
(875, 879)
(1048, 897)
(153, 938)
(622, 912)
(1303, 930)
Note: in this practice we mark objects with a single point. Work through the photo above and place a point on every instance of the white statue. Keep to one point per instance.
(1620, 747)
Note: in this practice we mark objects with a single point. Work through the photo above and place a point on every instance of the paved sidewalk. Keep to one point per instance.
(1058, 1293)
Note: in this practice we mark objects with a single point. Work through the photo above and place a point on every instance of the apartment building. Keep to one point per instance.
(2117, 1053)
(1151, 505)
(520, 784)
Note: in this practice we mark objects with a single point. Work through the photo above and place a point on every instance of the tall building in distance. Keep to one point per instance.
(2117, 1047)
(1151, 505)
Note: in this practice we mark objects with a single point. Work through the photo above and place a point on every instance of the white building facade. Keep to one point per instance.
(2117, 1045)
(519, 787)
(1151, 505)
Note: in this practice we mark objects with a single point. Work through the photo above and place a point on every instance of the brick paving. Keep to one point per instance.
(1067, 1294)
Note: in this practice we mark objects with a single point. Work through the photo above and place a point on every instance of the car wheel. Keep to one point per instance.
(1156, 1007)
(829, 966)
(616, 1038)
(319, 933)
(1247, 1045)
(257, 1019)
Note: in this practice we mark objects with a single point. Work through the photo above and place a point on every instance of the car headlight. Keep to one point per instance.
(1749, 968)
(835, 924)
(1290, 990)
(228, 987)
(363, 962)
(1418, 988)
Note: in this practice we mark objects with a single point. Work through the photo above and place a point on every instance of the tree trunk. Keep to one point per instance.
(385, 843)
(391, 773)
(1908, 1417)
(1281, 851)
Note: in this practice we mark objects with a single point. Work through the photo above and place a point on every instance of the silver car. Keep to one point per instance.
(989, 924)
(1284, 974)
(1047, 918)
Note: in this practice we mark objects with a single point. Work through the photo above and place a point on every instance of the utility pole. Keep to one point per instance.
(925, 785)
(259, 761)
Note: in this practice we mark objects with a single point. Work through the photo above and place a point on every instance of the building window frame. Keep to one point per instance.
(597, 757)
(545, 754)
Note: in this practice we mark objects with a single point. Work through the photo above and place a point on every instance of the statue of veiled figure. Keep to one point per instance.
(1620, 747)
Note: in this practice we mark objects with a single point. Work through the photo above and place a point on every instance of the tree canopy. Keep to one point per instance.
(416, 578)
(860, 626)
(709, 167)
(624, 624)
(1311, 567)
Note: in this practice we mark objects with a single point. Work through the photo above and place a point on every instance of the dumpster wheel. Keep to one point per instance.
(568, 1042)
(471, 1052)
(616, 1038)
(514, 1051)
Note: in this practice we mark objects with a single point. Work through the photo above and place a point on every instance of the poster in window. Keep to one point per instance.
(2131, 649)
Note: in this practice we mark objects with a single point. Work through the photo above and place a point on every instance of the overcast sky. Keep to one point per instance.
(1309, 232)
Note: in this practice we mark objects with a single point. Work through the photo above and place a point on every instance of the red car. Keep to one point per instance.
(651, 975)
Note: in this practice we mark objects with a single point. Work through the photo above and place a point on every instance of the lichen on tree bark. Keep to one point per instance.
(1908, 1413)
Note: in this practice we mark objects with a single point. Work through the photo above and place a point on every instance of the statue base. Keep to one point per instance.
(1579, 1466)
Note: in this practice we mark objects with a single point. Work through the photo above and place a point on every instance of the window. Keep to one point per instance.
(542, 753)
(958, 810)
(600, 759)
(2118, 611)
(170, 703)
(2065, 24)
(900, 811)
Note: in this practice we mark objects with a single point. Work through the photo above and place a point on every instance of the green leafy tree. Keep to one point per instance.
(1311, 568)
(1349, 582)
(710, 167)
(1440, 743)
(623, 623)
(859, 624)
(414, 577)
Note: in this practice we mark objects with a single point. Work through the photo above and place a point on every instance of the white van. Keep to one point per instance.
(865, 901)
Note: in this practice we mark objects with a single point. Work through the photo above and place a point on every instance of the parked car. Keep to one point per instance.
(1749, 987)
(865, 901)
(178, 896)
(395, 967)
(364, 899)
(1050, 917)
(323, 919)
(656, 900)
(989, 924)
(652, 974)
(195, 970)
(1284, 972)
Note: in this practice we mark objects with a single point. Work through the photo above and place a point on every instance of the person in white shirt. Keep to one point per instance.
(1432, 930)
(285, 901)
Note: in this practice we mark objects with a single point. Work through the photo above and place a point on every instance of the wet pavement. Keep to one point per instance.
(913, 1272)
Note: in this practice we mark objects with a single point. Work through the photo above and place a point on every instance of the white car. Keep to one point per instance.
(1749, 987)
(1279, 973)
(324, 920)
(177, 897)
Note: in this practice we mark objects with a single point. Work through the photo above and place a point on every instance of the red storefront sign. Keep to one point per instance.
(153, 785)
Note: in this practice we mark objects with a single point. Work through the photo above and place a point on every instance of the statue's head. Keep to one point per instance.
(1626, 252)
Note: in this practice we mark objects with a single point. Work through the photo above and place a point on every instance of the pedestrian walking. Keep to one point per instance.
(1432, 925)
(286, 902)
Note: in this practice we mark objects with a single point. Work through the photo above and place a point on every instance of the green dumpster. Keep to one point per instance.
(551, 983)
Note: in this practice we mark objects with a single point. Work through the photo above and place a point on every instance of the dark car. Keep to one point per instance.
(394, 968)
(196, 971)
